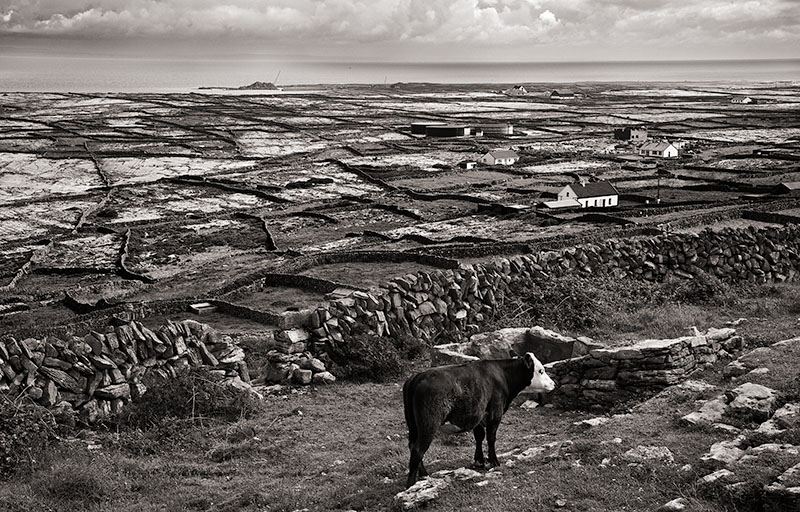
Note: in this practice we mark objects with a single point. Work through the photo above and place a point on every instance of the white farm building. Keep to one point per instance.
(500, 157)
(601, 194)
(662, 149)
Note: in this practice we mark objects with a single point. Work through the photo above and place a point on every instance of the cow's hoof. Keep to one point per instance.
(478, 464)
(494, 464)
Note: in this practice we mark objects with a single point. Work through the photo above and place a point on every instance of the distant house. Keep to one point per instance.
(500, 157)
(467, 164)
(601, 194)
(517, 90)
(790, 188)
(660, 149)
(746, 100)
(562, 95)
(631, 133)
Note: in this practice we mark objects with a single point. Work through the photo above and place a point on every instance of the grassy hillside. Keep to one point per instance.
(343, 447)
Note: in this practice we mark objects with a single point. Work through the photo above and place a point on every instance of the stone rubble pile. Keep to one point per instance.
(290, 361)
(608, 375)
(99, 373)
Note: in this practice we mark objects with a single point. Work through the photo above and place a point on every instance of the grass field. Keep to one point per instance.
(343, 447)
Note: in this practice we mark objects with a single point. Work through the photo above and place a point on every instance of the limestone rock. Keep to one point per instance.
(752, 401)
(301, 376)
(324, 378)
(422, 492)
(649, 453)
(787, 416)
(449, 354)
(675, 505)
(716, 476)
(712, 411)
(726, 452)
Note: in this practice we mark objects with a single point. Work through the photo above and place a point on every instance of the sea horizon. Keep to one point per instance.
(99, 74)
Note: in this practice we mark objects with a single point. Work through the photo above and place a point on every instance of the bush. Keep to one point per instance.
(195, 395)
(26, 430)
(369, 358)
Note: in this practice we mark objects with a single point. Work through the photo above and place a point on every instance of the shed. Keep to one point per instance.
(496, 129)
(419, 127)
(447, 130)
(791, 188)
(562, 94)
(601, 194)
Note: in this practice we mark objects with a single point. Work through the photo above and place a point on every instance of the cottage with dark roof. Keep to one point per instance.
(601, 194)
(500, 157)
(561, 95)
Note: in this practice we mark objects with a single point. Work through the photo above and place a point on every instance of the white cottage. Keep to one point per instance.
(500, 157)
(662, 149)
(601, 194)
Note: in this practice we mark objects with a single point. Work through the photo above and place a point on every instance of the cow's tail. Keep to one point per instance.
(408, 408)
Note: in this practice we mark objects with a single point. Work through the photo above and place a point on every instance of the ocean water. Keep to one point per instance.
(102, 74)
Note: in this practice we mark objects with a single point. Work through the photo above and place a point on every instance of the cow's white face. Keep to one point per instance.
(541, 382)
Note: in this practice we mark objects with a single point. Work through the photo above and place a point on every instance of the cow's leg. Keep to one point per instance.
(491, 437)
(480, 434)
(415, 466)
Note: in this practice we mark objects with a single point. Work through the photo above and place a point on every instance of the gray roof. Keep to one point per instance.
(503, 153)
(656, 146)
(596, 189)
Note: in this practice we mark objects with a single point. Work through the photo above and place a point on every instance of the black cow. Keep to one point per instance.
(472, 396)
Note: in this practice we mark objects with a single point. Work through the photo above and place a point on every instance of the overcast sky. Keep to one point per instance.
(531, 30)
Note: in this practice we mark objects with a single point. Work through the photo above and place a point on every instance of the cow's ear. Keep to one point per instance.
(529, 361)
(512, 353)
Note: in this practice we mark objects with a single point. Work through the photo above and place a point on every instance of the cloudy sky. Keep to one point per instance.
(530, 30)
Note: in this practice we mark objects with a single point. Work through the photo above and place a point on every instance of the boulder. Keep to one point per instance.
(726, 451)
(649, 453)
(301, 376)
(752, 401)
(323, 378)
(421, 493)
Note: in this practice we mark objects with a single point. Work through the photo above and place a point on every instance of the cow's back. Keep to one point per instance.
(459, 394)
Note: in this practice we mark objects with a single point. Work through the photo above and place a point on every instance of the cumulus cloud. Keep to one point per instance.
(532, 22)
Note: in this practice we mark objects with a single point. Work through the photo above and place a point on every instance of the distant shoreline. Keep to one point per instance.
(44, 74)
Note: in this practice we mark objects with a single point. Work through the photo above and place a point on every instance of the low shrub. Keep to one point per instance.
(195, 395)
(370, 358)
(26, 431)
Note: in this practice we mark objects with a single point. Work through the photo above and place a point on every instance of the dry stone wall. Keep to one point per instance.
(458, 300)
(98, 373)
(608, 375)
